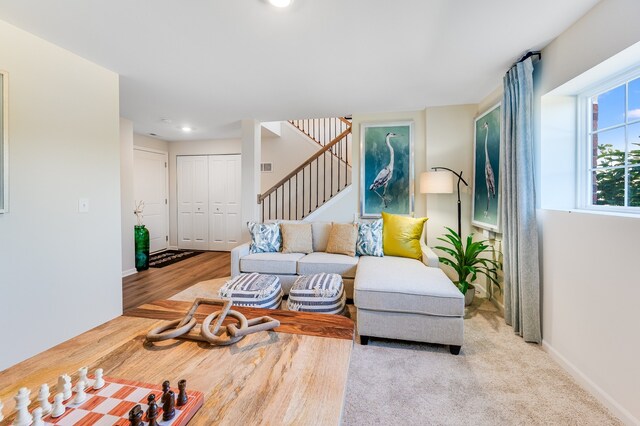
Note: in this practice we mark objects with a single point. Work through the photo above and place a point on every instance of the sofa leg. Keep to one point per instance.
(455, 350)
(364, 340)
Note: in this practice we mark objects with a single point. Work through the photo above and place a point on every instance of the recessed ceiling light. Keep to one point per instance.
(280, 3)
(186, 129)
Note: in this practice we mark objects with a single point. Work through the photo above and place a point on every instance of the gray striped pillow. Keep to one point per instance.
(253, 290)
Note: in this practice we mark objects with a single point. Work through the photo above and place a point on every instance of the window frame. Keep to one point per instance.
(584, 170)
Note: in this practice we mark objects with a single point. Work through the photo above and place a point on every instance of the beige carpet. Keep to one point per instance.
(496, 380)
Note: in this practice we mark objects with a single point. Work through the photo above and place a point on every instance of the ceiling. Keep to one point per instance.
(210, 63)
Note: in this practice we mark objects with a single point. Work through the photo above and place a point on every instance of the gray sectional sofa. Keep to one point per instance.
(395, 297)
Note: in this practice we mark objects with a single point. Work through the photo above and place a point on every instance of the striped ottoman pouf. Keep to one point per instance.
(319, 293)
(253, 290)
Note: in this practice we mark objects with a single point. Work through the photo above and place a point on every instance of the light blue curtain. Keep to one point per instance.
(518, 217)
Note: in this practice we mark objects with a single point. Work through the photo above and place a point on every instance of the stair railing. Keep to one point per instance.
(312, 183)
(322, 130)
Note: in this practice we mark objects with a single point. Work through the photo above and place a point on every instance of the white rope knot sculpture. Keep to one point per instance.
(220, 335)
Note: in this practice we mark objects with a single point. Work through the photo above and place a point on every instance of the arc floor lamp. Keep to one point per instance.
(440, 182)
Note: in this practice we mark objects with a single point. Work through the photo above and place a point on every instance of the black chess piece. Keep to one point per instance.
(168, 406)
(182, 395)
(152, 411)
(135, 416)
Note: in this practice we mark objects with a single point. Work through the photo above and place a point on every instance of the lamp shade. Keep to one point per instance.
(436, 183)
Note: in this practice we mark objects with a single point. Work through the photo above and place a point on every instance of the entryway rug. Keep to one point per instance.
(169, 257)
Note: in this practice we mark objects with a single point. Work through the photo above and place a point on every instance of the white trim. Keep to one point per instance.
(585, 382)
(155, 151)
(129, 272)
(583, 141)
(331, 201)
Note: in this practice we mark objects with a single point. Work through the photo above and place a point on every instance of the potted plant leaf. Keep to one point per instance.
(466, 261)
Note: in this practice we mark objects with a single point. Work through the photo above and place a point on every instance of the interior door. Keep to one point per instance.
(150, 181)
(193, 202)
(224, 202)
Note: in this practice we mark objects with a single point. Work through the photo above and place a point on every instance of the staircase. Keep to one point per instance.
(317, 179)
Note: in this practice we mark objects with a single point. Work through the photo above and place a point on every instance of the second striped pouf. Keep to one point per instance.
(253, 290)
(319, 293)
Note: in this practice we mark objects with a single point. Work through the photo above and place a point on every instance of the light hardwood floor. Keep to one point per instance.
(162, 283)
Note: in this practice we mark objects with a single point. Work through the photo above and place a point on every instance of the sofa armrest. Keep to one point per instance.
(429, 257)
(236, 254)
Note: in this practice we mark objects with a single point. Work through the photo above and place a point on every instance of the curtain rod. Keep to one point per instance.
(527, 56)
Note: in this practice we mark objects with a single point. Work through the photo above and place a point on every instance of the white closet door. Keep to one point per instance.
(193, 202)
(150, 185)
(224, 202)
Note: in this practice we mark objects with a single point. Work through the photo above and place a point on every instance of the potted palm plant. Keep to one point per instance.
(466, 261)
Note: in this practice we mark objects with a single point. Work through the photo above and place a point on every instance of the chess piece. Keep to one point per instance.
(99, 382)
(37, 417)
(82, 377)
(1, 415)
(135, 416)
(64, 386)
(24, 417)
(182, 395)
(168, 406)
(81, 395)
(152, 411)
(58, 407)
(43, 397)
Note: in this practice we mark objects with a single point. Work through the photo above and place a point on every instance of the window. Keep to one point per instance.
(612, 152)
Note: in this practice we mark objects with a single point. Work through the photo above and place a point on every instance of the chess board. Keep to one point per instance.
(111, 405)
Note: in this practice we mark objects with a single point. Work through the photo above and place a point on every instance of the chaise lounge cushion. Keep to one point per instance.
(397, 284)
(317, 262)
(270, 263)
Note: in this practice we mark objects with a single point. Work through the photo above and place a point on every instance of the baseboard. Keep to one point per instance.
(595, 390)
(129, 272)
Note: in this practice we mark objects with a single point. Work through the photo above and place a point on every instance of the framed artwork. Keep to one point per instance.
(485, 209)
(386, 168)
(4, 144)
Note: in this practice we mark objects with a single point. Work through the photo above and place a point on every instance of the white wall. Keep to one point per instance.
(144, 141)
(126, 196)
(590, 289)
(208, 147)
(60, 271)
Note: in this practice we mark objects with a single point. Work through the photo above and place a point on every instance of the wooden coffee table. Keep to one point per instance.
(295, 374)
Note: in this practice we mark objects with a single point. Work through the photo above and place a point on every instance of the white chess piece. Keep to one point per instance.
(37, 417)
(1, 407)
(99, 382)
(64, 386)
(22, 407)
(58, 406)
(82, 377)
(43, 397)
(81, 396)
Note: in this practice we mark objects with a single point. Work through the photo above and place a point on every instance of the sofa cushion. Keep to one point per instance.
(342, 239)
(270, 263)
(401, 235)
(370, 238)
(317, 262)
(320, 235)
(296, 238)
(397, 284)
(265, 237)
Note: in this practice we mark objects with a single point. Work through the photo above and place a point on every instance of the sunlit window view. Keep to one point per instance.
(614, 136)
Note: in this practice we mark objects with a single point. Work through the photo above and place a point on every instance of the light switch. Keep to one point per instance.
(83, 205)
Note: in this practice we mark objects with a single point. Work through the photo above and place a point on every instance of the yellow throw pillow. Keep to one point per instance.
(296, 238)
(401, 235)
(343, 238)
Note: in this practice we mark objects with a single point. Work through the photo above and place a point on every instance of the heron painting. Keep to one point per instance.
(486, 203)
(386, 168)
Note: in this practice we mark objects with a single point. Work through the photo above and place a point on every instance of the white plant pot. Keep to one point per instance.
(468, 296)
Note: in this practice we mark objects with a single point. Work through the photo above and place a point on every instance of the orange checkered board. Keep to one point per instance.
(111, 405)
